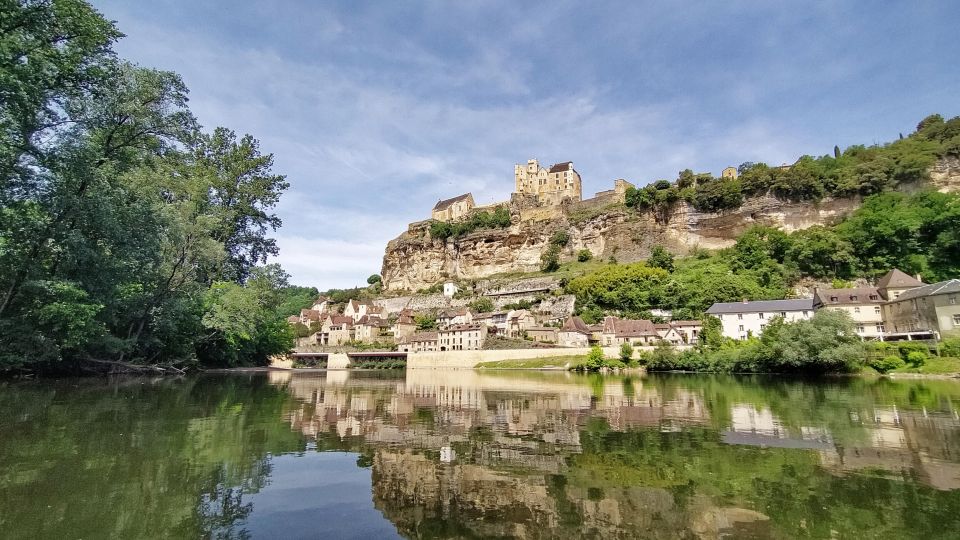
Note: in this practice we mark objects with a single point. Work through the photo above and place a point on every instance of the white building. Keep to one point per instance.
(450, 289)
(741, 320)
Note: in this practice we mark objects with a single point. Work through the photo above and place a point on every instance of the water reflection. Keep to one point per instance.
(456, 454)
(545, 455)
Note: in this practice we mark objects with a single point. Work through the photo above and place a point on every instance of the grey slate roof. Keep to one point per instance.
(767, 306)
(444, 204)
(951, 286)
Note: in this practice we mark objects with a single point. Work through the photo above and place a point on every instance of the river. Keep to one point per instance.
(465, 454)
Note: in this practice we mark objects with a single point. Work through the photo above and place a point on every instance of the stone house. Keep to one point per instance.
(863, 304)
(499, 322)
(454, 208)
(729, 172)
(895, 282)
(454, 316)
(574, 333)
(669, 334)
(690, 330)
(741, 320)
(368, 328)
(335, 330)
(419, 342)
(617, 331)
(518, 321)
(404, 326)
(542, 334)
(928, 311)
(549, 186)
(462, 337)
(356, 309)
(309, 317)
(321, 304)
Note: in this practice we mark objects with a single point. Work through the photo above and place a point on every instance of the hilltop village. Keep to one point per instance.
(898, 307)
(550, 270)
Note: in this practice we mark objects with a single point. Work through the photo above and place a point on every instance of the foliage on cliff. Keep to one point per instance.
(483, 219)
(918, 233)
(858, 170)
(125, 230)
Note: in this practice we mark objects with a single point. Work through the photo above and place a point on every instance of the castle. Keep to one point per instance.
(549, 186)
(545, 186)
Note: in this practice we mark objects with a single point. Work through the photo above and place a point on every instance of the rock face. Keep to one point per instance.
(415, 260)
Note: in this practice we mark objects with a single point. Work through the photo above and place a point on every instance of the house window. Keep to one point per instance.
(762, 326)
(741, 327)
(880, 328)
(876, 310)
(956, 319)
(804, 313)
(833, 298)
(859, 328)
(853, 298)
(953, 300)
(874, 297)
(856, 310)
(760, 315)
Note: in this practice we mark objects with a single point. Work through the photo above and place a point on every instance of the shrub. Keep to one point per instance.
(887, 363)
(482, 305)
(584, 255)
(950, 347)
(916, 358)
(595, 359)
(626, 353)
(907, 347)
(560, 238)
(550, 259)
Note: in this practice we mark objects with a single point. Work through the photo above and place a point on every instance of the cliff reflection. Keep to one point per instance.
(462, 453)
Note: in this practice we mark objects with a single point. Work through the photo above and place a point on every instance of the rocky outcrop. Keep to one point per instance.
(415, 260)
(945, 174)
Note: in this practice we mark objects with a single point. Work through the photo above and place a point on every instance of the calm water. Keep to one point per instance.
(436, 454)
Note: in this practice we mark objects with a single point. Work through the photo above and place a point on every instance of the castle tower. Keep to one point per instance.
(550, 185)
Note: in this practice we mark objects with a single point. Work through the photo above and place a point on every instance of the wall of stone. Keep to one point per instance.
(469, 359)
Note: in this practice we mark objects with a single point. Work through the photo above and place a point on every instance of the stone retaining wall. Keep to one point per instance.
(469, 359)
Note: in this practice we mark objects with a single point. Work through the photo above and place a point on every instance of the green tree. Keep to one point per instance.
(626, 353)
(482, 305)
(550, 259)
(373, 279)
(661, 258)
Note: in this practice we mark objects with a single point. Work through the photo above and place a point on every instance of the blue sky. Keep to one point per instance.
(375, 110)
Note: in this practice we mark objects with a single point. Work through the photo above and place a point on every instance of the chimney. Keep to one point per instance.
(918, 278)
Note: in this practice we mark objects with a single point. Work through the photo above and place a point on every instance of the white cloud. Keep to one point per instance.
(373, 120)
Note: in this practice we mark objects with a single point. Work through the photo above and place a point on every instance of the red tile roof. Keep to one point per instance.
(560, 167)
(575, 324)
(628, 327)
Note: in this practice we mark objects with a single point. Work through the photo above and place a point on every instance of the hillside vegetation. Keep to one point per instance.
(918, 233)
(858, 170)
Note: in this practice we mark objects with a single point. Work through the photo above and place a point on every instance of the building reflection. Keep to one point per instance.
(493, 451)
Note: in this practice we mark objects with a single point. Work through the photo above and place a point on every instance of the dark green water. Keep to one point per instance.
(460, 454)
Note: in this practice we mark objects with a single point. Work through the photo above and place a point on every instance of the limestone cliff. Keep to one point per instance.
(415, 260)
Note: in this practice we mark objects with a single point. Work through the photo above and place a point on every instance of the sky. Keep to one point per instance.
(376, 110)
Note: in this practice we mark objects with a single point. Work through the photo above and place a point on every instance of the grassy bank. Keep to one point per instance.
(555, 362)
